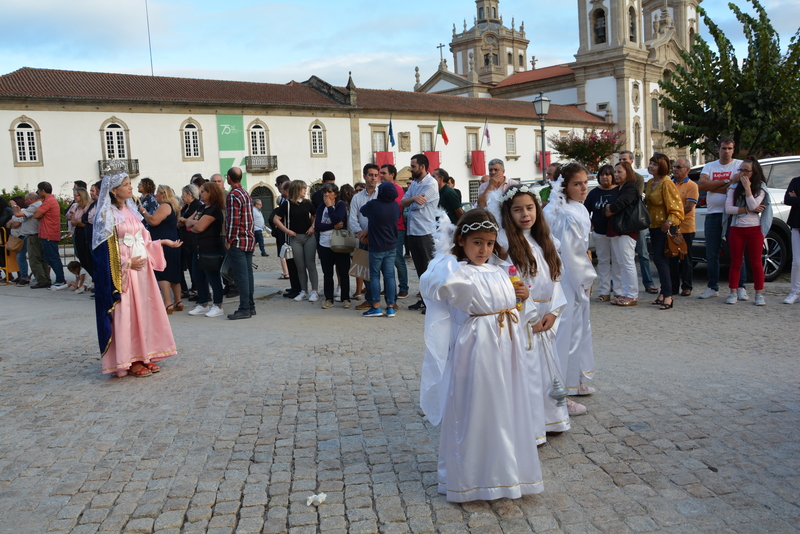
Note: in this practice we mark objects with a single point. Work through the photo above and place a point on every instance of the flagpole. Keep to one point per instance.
(484, 133)
(436, 137)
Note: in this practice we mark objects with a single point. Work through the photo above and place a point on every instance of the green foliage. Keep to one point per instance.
(755, 101)
(8, 195)
(591, 149)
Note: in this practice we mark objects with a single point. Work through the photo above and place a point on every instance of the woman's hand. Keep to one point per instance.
(329, 202)
(521, 291)
(665, 226)
(172, 244)
(310, 230)
(137, 263)
(339, 225)
(545, 324)
(745, 183)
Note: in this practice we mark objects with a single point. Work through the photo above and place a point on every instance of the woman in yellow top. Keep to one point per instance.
(666, 213)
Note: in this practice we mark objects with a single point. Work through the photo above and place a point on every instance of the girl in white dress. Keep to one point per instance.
(526, 236)
(474, 377)
(570, 223)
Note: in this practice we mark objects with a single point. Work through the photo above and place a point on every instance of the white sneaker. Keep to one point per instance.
(760, 300)
(301, 296)
(585, 390)
(58, 287)
(741, 294)
(80, 290)
(792, 298)
(314, 297)
(574, 408)
(215, 311)
(731, 299)
(199, 310)
(338, 291)
(708, 293)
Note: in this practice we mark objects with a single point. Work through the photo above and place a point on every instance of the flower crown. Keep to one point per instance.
(474, 227)
(513, 191)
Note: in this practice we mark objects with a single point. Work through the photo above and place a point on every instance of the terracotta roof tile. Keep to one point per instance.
(536, 74)
(74, 85)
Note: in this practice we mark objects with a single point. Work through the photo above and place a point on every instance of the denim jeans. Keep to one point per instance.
(382, 262)
(400, 262)
(51, 256)
(713, 233)
(202, 279)
(260, 240)
(22, 258)
(644, 260)
(243, 270)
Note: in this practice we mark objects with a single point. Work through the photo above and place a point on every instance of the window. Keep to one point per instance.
(379, 133)
(632, 32)
(25, 136)
(317, 132)
(599, 26)
(115, 139)
(656, 119)
(191, 136)
(490, 59)
(511, 141)
(510, 59)
(259, 139)
(472, 142)
(426, 136)
(782, 173)
(521, 61)
(480, 12)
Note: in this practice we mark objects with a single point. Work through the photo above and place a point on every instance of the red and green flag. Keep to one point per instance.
(440, 131)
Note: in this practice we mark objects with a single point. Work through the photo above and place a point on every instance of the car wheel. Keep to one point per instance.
(774, 256)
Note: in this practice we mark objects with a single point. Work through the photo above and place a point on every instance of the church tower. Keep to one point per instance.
(493, 51)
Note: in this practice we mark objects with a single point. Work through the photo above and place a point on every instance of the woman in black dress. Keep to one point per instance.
(190, 195)
(163, 224)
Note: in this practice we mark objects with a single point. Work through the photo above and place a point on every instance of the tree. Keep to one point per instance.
(755, 101)
(591, 149)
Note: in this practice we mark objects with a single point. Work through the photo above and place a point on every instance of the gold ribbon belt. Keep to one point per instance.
(510, 313)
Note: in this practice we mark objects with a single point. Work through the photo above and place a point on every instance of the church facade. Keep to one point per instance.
(625, 48)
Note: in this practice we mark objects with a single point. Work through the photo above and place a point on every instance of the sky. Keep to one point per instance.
(276, 42)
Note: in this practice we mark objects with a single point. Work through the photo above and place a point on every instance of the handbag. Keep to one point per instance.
(634, 218)
(14, 244)
(360, 266)
(675, 246)
(226, 270)
(343, 240)
(286, 250)
(207, 261)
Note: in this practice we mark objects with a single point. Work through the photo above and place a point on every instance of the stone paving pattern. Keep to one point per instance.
(694, 427)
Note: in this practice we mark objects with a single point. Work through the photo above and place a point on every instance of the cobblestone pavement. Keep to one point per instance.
(694, 426)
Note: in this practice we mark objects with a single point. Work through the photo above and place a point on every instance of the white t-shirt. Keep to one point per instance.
(87, 281)
(715, 171)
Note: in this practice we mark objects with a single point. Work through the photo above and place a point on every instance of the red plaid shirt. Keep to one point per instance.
(239, 230)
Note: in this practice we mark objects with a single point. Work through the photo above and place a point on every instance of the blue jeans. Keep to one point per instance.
(201, 281)
(400, 261)
(51, 256)
(260, 240)
(713, 233)
(22, 258)
(243, 270)
(644, 260)
(382, 262)
(659, 241)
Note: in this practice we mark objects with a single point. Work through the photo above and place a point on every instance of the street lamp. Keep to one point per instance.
(541, 104)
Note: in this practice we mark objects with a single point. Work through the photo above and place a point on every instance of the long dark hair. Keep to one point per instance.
(756, 181)
(477, 215)
(568, 171)
(518, 248)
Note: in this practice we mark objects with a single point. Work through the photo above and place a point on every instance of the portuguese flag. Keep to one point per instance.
(440, 131)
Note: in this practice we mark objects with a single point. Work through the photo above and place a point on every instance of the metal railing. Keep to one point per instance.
(261, 163)
(130, 166)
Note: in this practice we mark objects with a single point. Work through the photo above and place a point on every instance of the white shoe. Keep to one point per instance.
(215, 311)
(731, 299)
(314, 297)
(338, 291)
(80, 290)
(708, 293)
(760, 300)
(574, 408)
(585, 390)
(199, 310)
(741, 294)
(792, 298)
(301, 296)
(58, 287)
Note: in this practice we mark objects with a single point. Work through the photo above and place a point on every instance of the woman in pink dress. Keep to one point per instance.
(132, 325)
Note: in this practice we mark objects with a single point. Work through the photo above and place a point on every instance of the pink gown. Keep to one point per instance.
(141, 330)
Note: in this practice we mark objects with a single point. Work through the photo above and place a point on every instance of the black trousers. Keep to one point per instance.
(681, 270)
(330, 259)
(421, 248)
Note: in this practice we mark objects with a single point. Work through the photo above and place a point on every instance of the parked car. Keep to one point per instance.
(777, 245)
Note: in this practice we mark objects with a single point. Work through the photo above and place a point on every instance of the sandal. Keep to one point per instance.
(686, 293)
(177, 306)
(170, 309)
(153, 368)
(659, 301)
(603, 298)
(141, 372)
(665, 306)
(284, 276)
(652, 289)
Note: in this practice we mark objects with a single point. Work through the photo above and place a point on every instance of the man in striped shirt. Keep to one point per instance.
(240, 241)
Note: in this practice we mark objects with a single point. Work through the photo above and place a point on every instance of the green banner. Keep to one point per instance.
(230, 129)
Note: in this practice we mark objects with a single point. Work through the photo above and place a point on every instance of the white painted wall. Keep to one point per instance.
(601, 90)
(442, 85)
(564, 97)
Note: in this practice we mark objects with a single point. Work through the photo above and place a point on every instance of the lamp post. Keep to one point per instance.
(541, 104)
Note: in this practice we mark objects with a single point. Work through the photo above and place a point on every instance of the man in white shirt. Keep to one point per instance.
(422, 201)
(497, 180)
(358, 223)
(258, 225)
(715, 178)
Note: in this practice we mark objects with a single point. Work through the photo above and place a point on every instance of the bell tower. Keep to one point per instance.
(609, 24)
(487, 11)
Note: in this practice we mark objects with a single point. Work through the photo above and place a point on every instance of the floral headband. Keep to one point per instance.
(474, 227)
(511, 193)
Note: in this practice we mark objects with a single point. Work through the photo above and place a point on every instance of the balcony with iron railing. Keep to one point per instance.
(261, 163)
(129, 166)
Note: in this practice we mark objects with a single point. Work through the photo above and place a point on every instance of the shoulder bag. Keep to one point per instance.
(632, 219)
(343, 240)
(14, 244)
(286, 250)
(675, 246)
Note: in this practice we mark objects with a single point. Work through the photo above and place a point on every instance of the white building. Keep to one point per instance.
(65, 125)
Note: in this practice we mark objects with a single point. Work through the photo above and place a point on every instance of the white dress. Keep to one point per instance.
(570, 224)
(474, 382)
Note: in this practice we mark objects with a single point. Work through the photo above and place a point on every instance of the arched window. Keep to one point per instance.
(510, 59)
(521, 61)
(494, 12)
(259, 139)
(480, 12)
(632, 17)
(27, 150)
(318, 142)
(191, 136)
(691, 36)
(115, 139)
(599, 26)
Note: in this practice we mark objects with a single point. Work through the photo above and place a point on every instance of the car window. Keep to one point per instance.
(781, 174)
